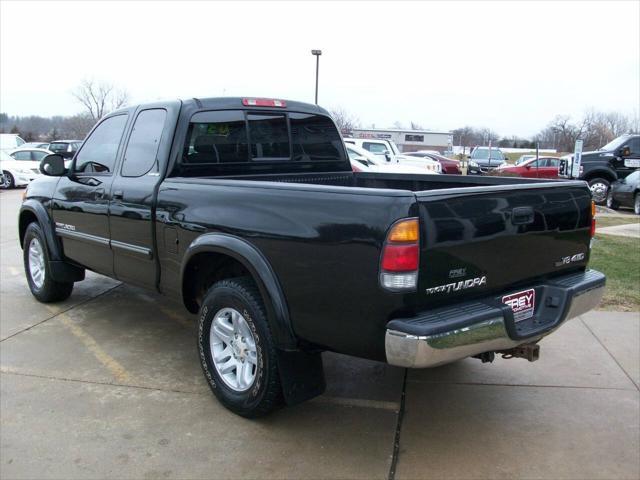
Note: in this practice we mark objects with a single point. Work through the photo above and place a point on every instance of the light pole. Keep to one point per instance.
(317, 54)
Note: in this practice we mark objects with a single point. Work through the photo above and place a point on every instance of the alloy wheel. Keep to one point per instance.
(233, 349)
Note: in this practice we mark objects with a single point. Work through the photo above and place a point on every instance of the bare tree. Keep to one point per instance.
(99, 98)
(344, 120)
(416, 126)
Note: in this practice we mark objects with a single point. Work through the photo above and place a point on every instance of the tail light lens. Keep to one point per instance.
(401, 256)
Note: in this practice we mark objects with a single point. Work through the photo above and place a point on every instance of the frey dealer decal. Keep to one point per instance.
(522, 304)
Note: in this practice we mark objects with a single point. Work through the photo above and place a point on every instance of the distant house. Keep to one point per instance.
(409, 140)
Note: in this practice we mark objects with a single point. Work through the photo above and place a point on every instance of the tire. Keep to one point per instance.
(636, 204)
(244, 377)
(611, 203)
(599, 189)
(36, 254)
(9, 181)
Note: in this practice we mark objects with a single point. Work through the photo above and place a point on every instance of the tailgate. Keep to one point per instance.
(483, 240)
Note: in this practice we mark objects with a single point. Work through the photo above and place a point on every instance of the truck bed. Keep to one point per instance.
(323, 233)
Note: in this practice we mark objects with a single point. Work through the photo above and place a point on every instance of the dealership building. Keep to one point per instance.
(409, 140)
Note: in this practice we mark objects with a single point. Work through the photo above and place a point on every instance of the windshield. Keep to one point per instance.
(615, 143)
(5, 156)
(483, 154)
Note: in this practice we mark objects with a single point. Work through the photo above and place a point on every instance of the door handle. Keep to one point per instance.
(118, 194)
(522, 215)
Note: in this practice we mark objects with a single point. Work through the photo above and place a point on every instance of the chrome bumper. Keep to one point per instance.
(491, 334)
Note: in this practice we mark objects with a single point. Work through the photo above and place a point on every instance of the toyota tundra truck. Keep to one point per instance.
(247, 211)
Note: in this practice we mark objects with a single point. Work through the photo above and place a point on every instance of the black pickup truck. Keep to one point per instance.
(248, 212)
(611, 162)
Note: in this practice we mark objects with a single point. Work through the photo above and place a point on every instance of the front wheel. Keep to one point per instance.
(237, 351)
(36, 267)
(611, 203)
(636, 204)
(599, 189)
(9, 181)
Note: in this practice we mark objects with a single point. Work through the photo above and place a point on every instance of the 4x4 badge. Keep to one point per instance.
(578, 257)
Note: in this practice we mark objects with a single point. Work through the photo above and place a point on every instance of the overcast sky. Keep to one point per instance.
(508, 66)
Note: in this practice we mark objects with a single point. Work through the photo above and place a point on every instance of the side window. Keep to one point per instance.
(269, 136)
(98, 153)
(23, 155)
(142, 149)
(553, 162)
(374, 147)
(217, 137)
(37, 156)
(634, 146)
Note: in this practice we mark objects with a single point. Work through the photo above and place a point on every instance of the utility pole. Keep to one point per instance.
(317, 54)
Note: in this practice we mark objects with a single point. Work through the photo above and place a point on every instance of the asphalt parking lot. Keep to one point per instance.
(107, 385)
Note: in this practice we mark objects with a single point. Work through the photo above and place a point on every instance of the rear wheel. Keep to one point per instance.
(599, 189)
(36, 267)
(611, 203)
(636, 204)
(237, 351)
(9, 181)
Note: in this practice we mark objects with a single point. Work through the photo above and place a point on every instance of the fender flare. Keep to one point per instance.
(253, 260)
(605, 172)
(36, 208)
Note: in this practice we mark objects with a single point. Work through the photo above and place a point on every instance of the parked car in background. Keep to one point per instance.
(30, 154)
(524, 158)
(387, 150)
(364, 161)
(542, 167)
(66, 148)
(611, 162)
(35, 145)
(625, 193)
(487, 159)
(449, 165)
(17, 173)
(10, 141)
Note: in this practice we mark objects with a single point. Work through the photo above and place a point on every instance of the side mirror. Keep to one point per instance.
(528, 167)
(53, 165)
(387, 155)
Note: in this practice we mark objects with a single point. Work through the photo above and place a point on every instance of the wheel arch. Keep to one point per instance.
(32, 211)
(605, 173)
(234, 255)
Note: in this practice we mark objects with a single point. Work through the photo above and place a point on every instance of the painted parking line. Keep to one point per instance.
(116, 369)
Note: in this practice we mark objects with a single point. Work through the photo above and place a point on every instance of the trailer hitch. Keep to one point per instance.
(530, 351)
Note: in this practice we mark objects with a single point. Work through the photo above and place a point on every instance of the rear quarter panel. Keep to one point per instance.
(323, 244)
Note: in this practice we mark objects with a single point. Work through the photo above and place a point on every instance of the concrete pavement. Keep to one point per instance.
(108, 385)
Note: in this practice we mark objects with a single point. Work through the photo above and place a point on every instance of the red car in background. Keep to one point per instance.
(542, 167)
(449, 166)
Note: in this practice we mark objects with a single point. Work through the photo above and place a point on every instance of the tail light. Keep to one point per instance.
(593, 218)
(401, 256)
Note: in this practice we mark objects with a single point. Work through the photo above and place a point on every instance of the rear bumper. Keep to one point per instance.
(449, 334)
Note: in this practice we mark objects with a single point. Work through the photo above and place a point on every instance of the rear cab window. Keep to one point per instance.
(375, 147)
(239, 141)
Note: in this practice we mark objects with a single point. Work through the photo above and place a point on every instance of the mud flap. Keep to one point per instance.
(301, 376)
